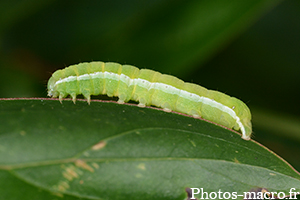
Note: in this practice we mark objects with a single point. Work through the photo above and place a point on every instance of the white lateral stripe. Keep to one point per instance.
(161, 86)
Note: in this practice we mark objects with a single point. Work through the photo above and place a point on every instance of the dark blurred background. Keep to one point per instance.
(248, 49)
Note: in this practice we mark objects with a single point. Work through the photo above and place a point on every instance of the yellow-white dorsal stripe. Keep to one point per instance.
(160, 86)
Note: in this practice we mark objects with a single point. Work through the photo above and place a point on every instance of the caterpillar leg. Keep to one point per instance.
(88, 97)
(61, 96)
(166, 107)
(141, 105)
(142, 102)
(194, 113)
(167, 110)
(120, 101)
(73, 95)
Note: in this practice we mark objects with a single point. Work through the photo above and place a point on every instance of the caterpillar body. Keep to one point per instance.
(149, 87)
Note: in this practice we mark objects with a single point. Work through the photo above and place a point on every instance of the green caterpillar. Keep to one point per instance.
(150, 88)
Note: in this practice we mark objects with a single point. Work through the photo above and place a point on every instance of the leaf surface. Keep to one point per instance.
(111, 151)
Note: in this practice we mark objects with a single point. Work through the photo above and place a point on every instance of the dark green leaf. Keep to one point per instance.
(111, 151)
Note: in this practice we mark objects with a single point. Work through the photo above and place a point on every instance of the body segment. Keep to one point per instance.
(150, 88)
